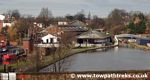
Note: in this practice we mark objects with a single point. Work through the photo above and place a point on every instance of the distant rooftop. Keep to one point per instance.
(93, 34)
(73, 28)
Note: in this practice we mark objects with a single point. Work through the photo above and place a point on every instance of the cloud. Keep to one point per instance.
(61, 7)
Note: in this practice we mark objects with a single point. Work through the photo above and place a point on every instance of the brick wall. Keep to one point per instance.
(1, 24)
(27, 45)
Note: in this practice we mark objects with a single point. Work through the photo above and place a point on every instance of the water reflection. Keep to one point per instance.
(116, 48)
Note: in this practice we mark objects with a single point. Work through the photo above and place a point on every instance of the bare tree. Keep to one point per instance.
(45, 17)
(22, 28)
(16, 14)
(12, 15)
(69, 17)
(97, 22)
(80, 16)
(65, 46)
(116, 21)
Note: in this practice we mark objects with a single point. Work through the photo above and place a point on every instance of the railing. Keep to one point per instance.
(46, 45)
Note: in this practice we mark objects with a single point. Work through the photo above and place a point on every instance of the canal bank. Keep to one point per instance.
(134, 45)
(48, 60)
(142, 47)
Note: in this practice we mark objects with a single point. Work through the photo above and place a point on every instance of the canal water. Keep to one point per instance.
(109, 60)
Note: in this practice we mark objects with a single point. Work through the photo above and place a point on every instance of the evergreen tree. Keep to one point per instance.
(137, 26)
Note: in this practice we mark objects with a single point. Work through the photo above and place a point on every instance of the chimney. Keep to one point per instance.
(27, 45)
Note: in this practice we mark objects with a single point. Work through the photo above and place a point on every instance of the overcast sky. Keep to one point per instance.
(62, 7)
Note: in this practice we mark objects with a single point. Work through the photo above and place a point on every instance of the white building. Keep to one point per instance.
(3, 24)
(50, 39)
(38, 24)
(7, 24)
(62, 23)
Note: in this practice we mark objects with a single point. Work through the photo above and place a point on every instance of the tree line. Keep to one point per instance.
(118, 21)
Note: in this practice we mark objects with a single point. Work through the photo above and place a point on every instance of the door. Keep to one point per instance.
(51, 40)
(47, 41)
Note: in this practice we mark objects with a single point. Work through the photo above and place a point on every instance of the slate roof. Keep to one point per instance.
(128, 35)
(53, 29)
(74, 28)
(78, 23)
(93, 35)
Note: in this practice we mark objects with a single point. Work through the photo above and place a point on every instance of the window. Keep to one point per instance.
(58, 39)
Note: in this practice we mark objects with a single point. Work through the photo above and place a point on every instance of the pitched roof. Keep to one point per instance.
(53, 30)
(127, 35)
(73, 28)
(49, 36)
(93, 35)
(77, 23)
(76, 26)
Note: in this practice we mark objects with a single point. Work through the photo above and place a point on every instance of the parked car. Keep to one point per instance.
(9, 56)
(17, 51)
